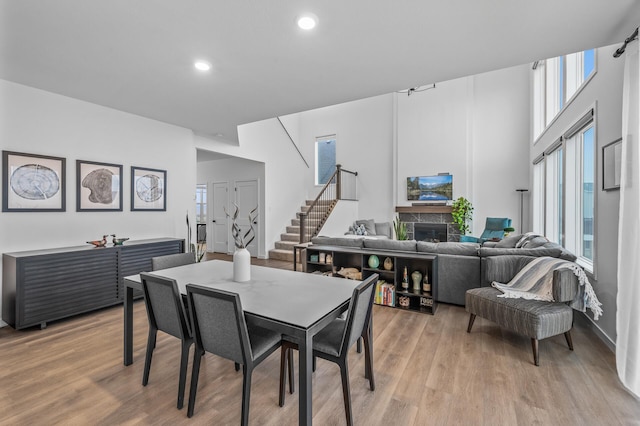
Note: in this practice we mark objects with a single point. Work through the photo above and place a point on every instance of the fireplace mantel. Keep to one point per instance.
(423, 209)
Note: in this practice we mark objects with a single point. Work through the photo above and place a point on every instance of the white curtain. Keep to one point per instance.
(628, 301)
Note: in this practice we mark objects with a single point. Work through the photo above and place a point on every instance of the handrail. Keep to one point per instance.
(291, 139)
(317, 212)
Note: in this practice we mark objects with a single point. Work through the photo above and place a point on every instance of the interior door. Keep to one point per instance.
(247, 200)
(219, 219)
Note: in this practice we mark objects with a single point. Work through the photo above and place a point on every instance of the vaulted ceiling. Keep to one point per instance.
(137, 56)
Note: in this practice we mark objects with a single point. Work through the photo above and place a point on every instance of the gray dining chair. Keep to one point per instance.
(172, 260)
(166, 312)
(333, 342)
(220, 328)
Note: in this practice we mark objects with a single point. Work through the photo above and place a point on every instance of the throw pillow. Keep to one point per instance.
(369, 225)
(509, 242)
(361, 230)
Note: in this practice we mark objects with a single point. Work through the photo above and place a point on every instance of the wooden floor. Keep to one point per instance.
(428, 371)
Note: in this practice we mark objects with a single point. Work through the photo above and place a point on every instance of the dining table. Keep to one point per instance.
(296, 304)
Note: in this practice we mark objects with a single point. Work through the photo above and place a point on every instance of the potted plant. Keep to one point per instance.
(400, 228)
(508, 230)
(462, 212)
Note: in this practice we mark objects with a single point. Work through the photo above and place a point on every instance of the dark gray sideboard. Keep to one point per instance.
(45, 285)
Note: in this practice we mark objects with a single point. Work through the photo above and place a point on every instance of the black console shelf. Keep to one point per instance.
(337, 257)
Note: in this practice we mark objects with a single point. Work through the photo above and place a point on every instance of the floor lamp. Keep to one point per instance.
(521, 191)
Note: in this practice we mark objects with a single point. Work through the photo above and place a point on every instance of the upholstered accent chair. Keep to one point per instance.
(165, 312)
(493, 228)
(334, 341)
(533, 318)
(172, 260)
(220, 328)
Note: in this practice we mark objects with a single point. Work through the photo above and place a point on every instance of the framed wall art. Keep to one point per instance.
(148, 189)
(33, 183)
(611, 163)
(98, 186)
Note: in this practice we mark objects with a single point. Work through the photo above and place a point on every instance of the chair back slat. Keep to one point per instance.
(359, 311)
(164, 305)
(172, 260)
(219, 323)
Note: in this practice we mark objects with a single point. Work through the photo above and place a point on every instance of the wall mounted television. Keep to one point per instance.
(436, 188)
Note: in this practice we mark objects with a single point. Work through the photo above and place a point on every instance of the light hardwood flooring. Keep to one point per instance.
(428, 370)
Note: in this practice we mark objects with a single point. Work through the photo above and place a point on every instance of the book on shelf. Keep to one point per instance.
(385, 293)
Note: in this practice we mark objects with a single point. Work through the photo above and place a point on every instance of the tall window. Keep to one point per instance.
(201, 203)
(555, 82)
(563, 191)
(580, 194)
(325, 158)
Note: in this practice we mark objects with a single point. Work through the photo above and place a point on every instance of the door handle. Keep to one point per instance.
(255, 223)
(213, 221)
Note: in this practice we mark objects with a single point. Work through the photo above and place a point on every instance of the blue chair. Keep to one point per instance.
(493, 228)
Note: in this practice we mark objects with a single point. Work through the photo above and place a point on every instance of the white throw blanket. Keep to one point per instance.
(535, 281)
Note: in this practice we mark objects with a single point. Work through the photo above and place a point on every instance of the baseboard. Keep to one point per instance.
(588, 322)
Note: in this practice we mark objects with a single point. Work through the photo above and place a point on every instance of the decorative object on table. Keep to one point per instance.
(611, 163)
(388, 264)
(400, 229)
(98, 186)
(33, 183)
(322, 258)
(350, 273)
(328, 259)
(416, 277)
(405, 280)
(508, 230)
(148, 189)
(374, 262)
(426, 301)
(462, 212)
(118, 241)
(404, 301)
(242, 257)
(99, 243)
(313, 258)
(426, 286)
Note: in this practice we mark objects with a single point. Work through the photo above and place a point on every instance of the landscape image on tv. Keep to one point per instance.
(430, 188)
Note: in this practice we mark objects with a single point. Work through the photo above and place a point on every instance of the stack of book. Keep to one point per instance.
(385, 294)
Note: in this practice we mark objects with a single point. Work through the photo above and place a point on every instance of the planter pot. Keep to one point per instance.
(241, 265)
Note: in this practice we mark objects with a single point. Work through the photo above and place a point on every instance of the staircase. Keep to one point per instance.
(284, 248)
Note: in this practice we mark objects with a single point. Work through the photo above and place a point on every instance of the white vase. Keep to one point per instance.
(241, 265)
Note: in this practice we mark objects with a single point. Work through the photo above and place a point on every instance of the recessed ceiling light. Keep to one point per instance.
(202, 65)
(307, 21)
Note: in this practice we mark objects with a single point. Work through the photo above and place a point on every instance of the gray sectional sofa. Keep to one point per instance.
(461, 266)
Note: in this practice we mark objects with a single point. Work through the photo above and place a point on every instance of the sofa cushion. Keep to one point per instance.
(462, 249)
(384, 228)
(536, 252)
(346, 241)
(509, 242)
(407, 245)
(369, 226)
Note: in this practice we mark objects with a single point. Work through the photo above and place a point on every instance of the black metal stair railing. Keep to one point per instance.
(342, 185)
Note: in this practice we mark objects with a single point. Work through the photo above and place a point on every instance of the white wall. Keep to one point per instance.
(477, 129)
(604, 92)
(232, 170)
(364, 132)
(39, 122)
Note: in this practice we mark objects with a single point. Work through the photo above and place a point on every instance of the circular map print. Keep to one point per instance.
(35, 182)
(148, 188)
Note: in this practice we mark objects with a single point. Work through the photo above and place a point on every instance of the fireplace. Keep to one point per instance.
(431, 232)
